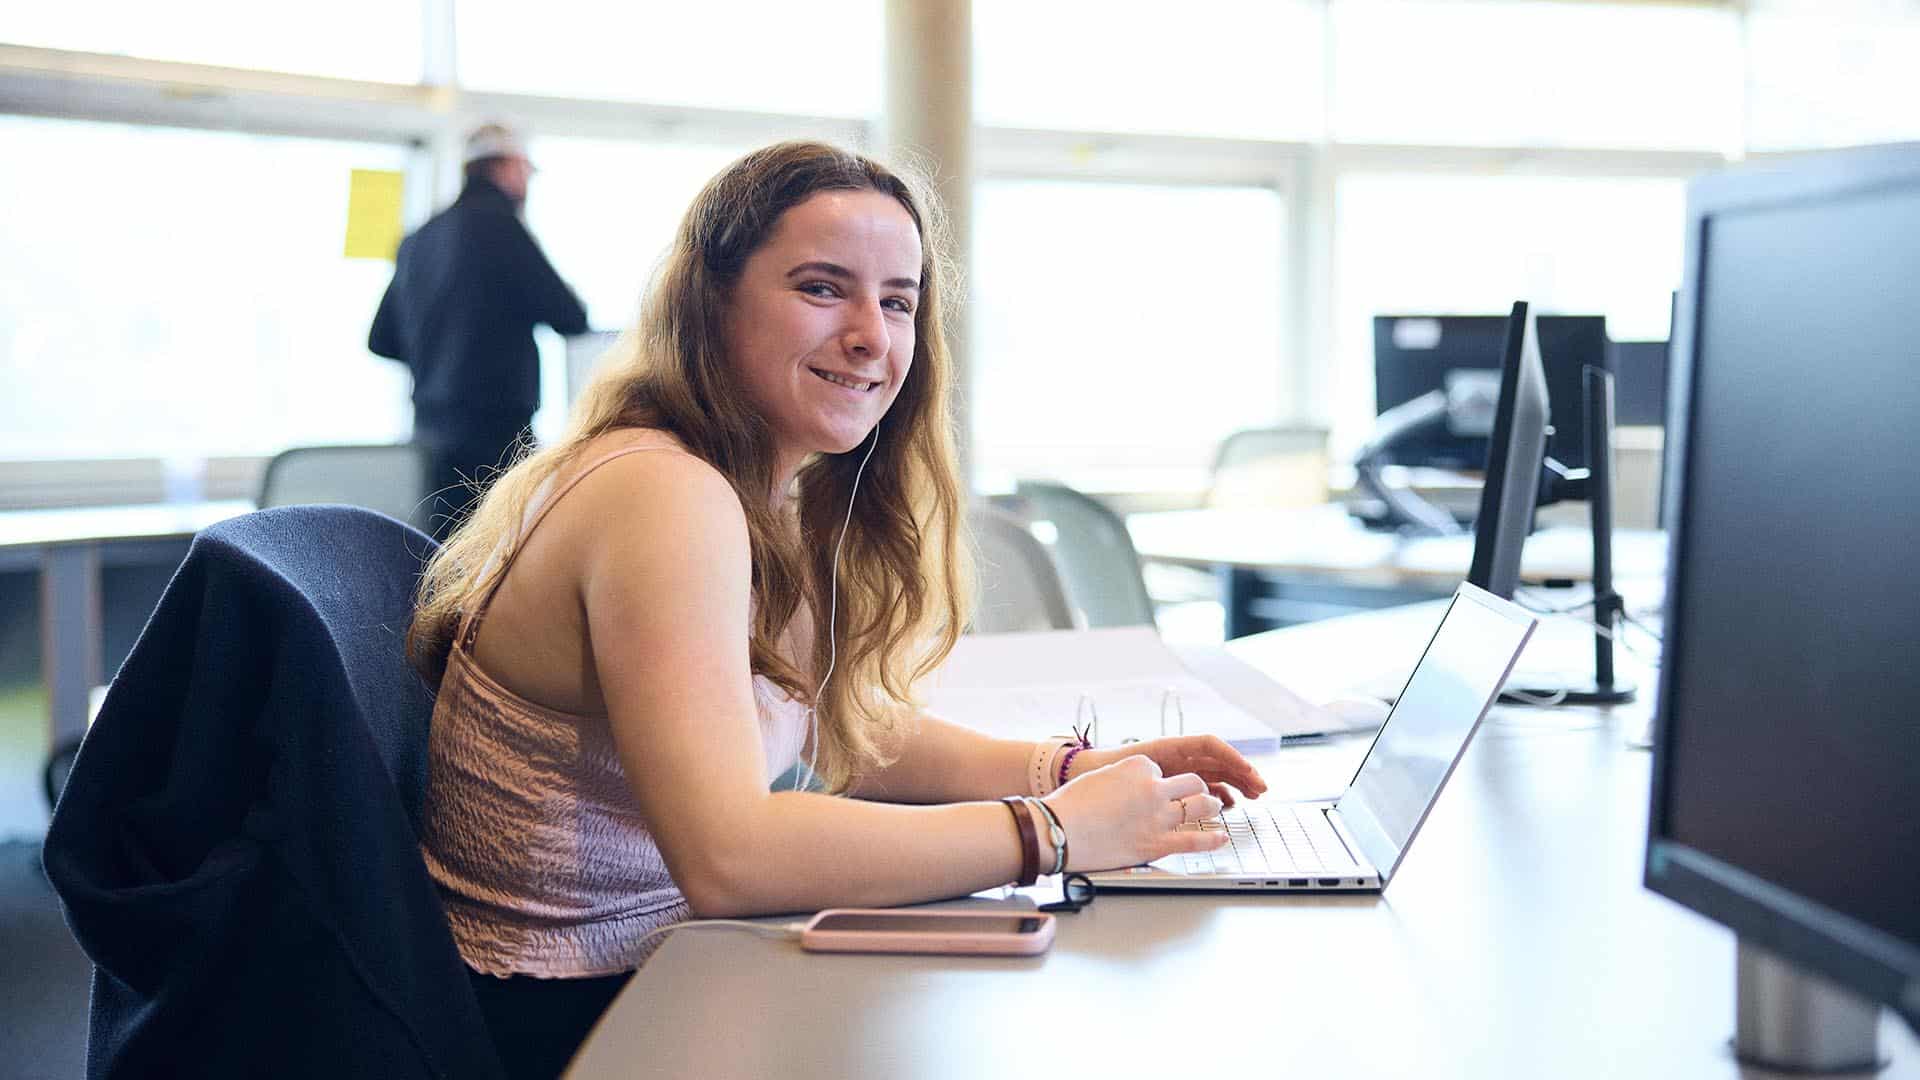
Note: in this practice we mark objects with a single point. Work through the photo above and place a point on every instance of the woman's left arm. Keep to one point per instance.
(941, 761)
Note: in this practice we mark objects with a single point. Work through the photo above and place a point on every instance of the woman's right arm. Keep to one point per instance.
(665, 586)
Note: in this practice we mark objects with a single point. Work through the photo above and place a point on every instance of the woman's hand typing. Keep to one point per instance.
(1209, 756)
(1128, 813)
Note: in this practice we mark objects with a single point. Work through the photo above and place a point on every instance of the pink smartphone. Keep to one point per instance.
(961, 932)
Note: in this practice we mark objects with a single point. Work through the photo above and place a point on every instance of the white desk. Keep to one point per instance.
(68, 547)
(1325, 544)
(1515, 941)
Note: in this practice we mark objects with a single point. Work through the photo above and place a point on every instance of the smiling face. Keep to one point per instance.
(820, 324)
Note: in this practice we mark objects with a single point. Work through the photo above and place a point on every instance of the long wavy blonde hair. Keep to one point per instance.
(903, 579)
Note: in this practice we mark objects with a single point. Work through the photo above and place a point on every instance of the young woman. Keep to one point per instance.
(743, 555)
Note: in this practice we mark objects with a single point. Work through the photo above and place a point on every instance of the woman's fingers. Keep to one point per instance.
(1181, 785)
(1223, 793)
(1201, 807)
(1190, 810)
(1213, 758)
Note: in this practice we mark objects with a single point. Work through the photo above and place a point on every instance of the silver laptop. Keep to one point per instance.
(1355, 842)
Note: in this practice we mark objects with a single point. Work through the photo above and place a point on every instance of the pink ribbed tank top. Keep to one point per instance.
(532, 834)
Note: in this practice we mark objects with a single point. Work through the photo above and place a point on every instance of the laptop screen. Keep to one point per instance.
(1456, 680)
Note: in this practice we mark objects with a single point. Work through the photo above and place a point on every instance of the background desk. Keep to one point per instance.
(69, 548)
(1280, 567)
(1515, 941)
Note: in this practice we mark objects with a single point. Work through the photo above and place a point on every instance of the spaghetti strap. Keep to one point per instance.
(470, 623)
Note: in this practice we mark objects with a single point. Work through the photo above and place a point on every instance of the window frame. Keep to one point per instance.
(432, 116)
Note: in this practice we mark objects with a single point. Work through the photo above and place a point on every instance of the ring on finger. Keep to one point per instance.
(1182, 804)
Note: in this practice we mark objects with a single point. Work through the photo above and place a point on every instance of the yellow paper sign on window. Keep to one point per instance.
(373, 214)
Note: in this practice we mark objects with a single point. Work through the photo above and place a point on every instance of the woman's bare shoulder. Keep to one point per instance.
(633, 461)
(630, 502)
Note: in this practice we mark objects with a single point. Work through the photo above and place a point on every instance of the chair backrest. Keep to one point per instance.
(1095, 554)
(357, 573)
(238, 844)
(1019, 585)
(1271, 467)
(390, 478)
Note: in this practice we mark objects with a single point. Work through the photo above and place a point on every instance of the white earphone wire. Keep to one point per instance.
(833, 614)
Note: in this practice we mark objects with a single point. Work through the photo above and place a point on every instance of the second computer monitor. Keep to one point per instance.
(1412, 354)
(1640, 383)
(1514, 459)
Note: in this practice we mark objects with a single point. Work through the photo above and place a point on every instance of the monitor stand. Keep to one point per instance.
(1595, 485)
(1793, 1021)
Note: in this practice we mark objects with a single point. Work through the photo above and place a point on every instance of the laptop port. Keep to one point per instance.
(1297, 881)
(1330, 881)
(1273, 883)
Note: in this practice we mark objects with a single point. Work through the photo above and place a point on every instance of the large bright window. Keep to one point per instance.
(1833, 75)
(820, 59)
(1122, 330)
(168, 293)
(1532, 73)
(1248, 68)
(605, 211)
(1472, 245)
(349, 39)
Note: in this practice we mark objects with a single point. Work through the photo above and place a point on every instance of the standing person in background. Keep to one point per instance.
(468, 288)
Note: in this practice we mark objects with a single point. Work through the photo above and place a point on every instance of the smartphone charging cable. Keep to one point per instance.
(779, 931)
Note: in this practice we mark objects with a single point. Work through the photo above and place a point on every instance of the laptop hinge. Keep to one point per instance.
(1354, 854)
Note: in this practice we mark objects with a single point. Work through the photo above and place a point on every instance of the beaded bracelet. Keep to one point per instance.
(1066, 762)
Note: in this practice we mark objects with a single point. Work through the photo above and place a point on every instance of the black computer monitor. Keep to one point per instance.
(1413, 354)
(1640, 383)
(1518, 479)
(1786, 759)
(1515, 453)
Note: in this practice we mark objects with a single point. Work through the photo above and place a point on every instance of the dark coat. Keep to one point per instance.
(235, 848)
(468, 288)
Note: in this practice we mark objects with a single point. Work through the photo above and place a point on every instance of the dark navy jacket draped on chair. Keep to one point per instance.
(236, 844)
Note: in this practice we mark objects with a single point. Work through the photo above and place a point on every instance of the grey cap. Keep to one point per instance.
(493, 140)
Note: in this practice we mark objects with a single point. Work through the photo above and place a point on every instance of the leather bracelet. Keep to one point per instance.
(1029, 840)
(1056, 833)
(1040, 765)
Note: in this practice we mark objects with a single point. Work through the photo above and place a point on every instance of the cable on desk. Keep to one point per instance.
(1610, 634)
(782, 931)
(1642, 627)
(1541, 700)
(1541, 607)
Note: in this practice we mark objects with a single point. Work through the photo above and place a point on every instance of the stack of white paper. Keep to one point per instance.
(1036, 685)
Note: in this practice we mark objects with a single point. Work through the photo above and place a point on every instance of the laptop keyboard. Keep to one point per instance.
(1282, 839)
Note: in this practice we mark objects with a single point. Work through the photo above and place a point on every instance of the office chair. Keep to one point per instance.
(236, 846)
(1254, 468)
(390, 478)
(1270, 467)
(1019, 585)
(1094, 552)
